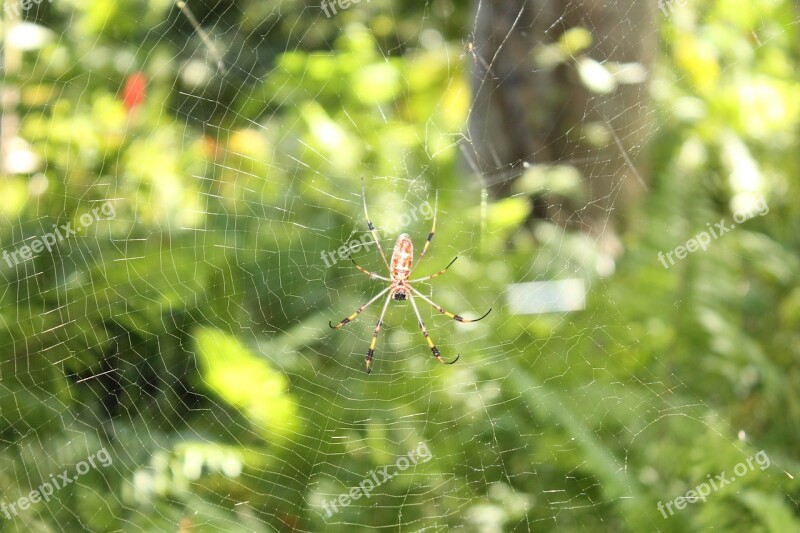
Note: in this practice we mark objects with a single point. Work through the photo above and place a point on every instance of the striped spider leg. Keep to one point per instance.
(400, 288)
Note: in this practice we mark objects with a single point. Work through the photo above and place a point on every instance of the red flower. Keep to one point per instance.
(134, 92)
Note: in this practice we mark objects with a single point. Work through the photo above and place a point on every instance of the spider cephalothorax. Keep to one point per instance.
(400, 287)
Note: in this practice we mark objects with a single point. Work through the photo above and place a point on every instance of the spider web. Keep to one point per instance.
(188, 334)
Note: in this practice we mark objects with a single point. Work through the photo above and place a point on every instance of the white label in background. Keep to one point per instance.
(539, 297)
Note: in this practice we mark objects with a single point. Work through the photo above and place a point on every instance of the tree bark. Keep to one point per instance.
(525, 114)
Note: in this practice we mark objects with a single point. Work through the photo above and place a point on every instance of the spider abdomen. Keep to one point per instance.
(402, 257)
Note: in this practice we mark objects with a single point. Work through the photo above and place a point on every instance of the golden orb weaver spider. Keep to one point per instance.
(400, 287)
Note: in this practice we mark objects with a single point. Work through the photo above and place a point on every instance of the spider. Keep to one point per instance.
(400, 287)
(472, 50)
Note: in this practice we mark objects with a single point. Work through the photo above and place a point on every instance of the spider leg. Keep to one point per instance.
(432, 345)
(351, 317)
(371, 226)
(371, 351)
(367, 272)
(448, 313)
(426, 278)
(431, 234)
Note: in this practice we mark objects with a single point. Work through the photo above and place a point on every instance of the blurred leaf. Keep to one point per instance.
(247, 382)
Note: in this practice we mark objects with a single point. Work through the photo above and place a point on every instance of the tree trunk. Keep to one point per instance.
(526, 114)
